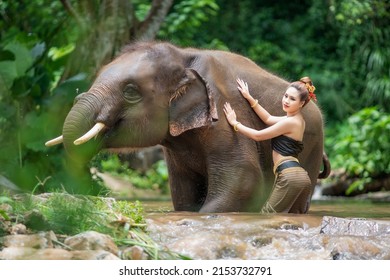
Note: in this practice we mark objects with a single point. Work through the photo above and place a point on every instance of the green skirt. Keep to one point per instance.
(290, 193)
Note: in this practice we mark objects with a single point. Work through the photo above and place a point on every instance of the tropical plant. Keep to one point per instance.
(364, 28)
(185, 19)
(360, 147)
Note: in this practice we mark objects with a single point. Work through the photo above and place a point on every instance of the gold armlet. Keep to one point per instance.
(254, 104)
(236, 126)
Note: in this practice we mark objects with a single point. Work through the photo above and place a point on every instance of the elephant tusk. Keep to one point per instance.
(90, 134)
(55, 141)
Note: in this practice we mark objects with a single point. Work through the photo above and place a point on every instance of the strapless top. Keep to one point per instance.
(286, 146)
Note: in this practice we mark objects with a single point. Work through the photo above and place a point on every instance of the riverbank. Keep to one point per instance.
(62, 226)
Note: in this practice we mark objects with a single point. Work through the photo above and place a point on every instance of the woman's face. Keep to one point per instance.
(291, 101)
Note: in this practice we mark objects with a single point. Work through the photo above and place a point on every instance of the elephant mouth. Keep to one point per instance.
(93, 132)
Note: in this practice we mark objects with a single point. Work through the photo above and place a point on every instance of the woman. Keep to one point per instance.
(291, 190)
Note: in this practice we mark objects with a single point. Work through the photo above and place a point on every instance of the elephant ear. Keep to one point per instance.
(192, 105)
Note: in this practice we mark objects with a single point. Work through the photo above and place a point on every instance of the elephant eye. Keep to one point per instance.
(131, 94)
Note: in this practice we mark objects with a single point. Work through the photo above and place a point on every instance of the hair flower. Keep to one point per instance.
(311, 89)
(313, 96)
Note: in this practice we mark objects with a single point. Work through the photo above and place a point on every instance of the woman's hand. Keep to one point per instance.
(230, 114)
(243, 88)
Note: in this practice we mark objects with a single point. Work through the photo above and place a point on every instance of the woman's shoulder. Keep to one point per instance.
(293, 120)
(295, 127)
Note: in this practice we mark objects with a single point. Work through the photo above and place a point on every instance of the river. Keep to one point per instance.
(332, 230)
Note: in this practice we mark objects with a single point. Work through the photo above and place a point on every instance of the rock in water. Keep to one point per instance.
(354, 226)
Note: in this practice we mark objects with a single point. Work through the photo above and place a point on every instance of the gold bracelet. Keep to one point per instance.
(235, 126)
(254, 104)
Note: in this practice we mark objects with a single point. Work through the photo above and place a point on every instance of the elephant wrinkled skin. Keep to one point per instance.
(158, 94)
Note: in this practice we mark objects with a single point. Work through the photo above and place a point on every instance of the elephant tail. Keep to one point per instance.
(326, 171)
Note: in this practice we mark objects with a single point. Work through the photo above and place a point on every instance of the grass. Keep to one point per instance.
(67, 214)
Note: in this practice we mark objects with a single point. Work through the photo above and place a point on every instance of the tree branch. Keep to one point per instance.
(152, 23)
(68, 7)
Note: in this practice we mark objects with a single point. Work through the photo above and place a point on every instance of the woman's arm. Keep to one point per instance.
(279, 128)
(263, 114)
(270, 132)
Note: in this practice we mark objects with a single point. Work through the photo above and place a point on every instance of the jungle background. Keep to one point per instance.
(50, 52)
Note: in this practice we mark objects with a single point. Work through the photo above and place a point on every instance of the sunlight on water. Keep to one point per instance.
(257, 236)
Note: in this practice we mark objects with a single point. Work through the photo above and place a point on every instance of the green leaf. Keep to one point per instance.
(6, 55)
(38, 50)
(5, 199)
(4, 215)
(23, 59)
(57, 53)
(8, 74)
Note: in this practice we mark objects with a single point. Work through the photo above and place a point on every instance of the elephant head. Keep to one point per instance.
(143, 96)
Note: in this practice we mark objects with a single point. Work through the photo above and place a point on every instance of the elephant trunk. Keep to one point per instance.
(79, 122)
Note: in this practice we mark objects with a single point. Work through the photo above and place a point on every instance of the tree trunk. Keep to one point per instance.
(105, 28)
(149, 27)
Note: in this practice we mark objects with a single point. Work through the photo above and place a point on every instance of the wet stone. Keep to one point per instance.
(18, 229)
(261, 241)
(48, 254)
(91, 240)
(93, 255)
(355, 247)
(36, 241)
(285, 225)
(227, 252)
(16, 253)
(290, 227)
(134, 253)
(213, 216)
(353, 226)
(188, 223)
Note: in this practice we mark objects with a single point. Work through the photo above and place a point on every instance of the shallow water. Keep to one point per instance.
(331, 230)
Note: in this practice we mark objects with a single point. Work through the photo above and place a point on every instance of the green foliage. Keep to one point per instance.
(185, 19)
(30, 114)
(361, 145)
(156, 177)
(364, 33)
(67, 214)
(34, 100)
(3, 213)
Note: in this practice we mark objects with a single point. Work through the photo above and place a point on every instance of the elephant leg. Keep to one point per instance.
(188, 189)
(233, 189)
(188, 192)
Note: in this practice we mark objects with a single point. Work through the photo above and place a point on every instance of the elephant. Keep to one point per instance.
(157, 93)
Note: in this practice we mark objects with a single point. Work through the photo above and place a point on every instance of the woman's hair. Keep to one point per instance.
(305, 89)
